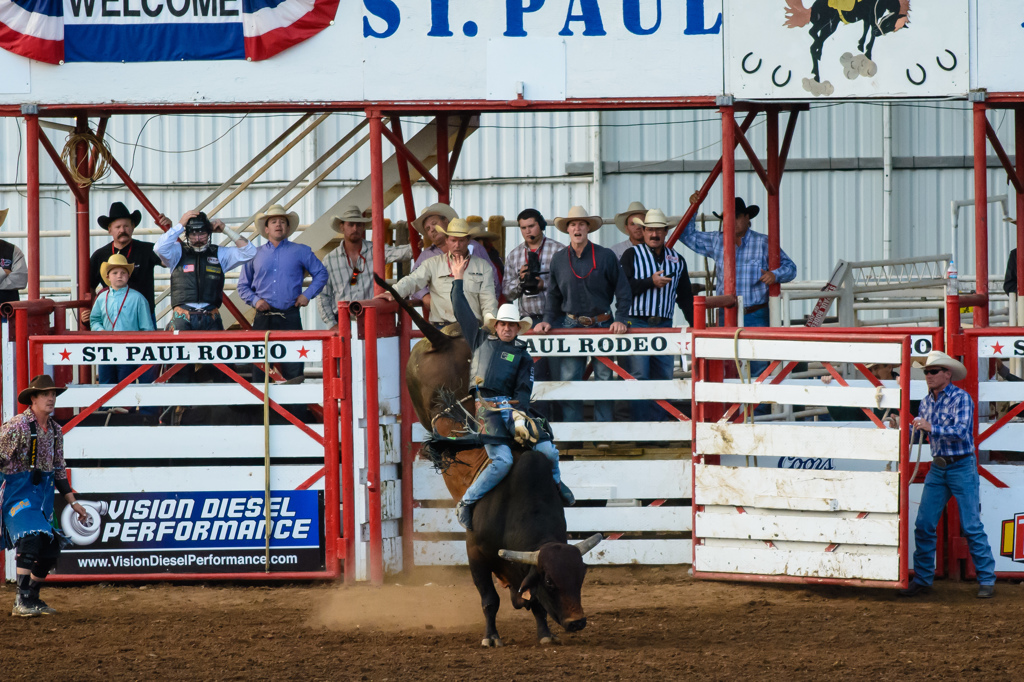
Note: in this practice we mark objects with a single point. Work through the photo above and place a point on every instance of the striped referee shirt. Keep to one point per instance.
(640, 263)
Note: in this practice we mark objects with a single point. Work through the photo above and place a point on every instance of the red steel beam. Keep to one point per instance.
(1018, 117)
(729, 210)
(980, 211)
(788, 139)
(1004, 159)
(752, 155)
(443, 172)
(61, 168)
(32, 180)
(404, 152)
(705, 189)
(82, 212)
(774, 210)
(135, 190)
(377, 129)
(460, 139)
(403, 176)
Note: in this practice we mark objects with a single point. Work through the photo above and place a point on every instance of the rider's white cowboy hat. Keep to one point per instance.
(579, 213)
(508, 312)
(939, 359)
(443, 210)
(274, 211)
(635, 208)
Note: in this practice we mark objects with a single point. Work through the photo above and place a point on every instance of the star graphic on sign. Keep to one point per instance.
(65, 354)
(303, 352)
(997, 348)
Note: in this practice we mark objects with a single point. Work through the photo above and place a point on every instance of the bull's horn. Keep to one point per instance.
(530, 558)
(589, 544)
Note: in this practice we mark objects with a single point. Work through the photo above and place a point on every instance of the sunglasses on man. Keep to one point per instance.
(935, 370)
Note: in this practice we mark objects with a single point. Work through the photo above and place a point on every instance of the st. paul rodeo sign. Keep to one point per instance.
(194, 353)
(671, 343)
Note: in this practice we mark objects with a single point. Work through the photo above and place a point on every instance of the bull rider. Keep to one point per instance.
(502, 374)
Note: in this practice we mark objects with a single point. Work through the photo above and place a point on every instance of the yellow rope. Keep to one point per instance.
(99, 151)
(266, 443)
(747, 411)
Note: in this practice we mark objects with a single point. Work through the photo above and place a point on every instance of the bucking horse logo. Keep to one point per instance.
(880, 17)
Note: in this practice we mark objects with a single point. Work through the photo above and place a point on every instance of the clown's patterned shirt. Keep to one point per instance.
(15, 438)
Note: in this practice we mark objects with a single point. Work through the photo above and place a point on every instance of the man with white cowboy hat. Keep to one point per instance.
(431, 224)
(628, 223)
(501, 373)
(436, 275)
(350, 266)
(120, 224)
(660, 283)
(13, 268)
(584, 282)
(947, 416)
(272, 281)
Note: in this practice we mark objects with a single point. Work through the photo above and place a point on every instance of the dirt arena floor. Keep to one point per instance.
(642, 624)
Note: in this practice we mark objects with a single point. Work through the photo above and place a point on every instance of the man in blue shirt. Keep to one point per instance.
(947, 416)
(272, 281)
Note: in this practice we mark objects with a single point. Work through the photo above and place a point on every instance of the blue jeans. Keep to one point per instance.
(501, 462)
(759, 318)
(648, 368)
(572, 369)
(959, 479)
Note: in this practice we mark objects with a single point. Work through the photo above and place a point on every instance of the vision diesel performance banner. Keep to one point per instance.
(192, 532)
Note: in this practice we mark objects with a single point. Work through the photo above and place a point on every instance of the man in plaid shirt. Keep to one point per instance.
(947, 416)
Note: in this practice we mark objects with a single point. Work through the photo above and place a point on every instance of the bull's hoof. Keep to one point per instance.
(488, 643)
(545, 641)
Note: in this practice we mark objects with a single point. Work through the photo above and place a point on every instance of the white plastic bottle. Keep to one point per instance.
(952, 286)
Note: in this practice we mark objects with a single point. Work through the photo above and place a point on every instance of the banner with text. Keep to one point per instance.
(173, 353)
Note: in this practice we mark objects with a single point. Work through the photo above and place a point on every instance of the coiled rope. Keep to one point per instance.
(95, 148)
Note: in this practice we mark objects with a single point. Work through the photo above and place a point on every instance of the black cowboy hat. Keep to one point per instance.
(118, 211)
(741, 208)
(40, 384)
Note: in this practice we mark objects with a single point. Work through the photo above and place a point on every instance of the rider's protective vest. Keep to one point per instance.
(197, 278)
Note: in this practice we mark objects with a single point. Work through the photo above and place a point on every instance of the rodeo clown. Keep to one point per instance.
(31, 465)
(502, 374)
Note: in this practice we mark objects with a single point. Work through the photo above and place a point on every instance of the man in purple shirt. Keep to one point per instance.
(272, 281)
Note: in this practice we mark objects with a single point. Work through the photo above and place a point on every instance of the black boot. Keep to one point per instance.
(23, 601)
(34, 586)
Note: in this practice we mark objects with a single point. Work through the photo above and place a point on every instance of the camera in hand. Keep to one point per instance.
(530, 283)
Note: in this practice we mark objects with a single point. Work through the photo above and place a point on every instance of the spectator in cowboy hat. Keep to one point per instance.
(119, 308)
(435, 274)
(350, 266)
(121, 224)
(484, 239)
(13, 268)
(583, 284)
(31, 469)
(660, 283)
(272, 281)
(431, 224)
(628, 223)
(947, 416)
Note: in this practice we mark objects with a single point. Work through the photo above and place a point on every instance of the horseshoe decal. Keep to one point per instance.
(924, 76)
(775, 80)
(943, 66)
(743, 64)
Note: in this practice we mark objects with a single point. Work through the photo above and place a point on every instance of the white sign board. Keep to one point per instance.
(404, 50)
(808, 49)
(673, 343)
(1000, 46)
(1001, 347)
(173, 353)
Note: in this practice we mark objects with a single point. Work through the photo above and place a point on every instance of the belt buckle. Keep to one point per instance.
(585, 321)
(941, 462)
(653, 321)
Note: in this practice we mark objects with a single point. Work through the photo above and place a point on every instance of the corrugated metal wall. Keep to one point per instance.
(520, 160)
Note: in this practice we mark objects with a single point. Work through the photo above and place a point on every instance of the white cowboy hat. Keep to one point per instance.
(277, 210)
(443, 210)
(939, 359)
(579, 213)
(654, 218)
(508, 312)
(635, 208)
(3, 215)
(351, 214)
(456, 228)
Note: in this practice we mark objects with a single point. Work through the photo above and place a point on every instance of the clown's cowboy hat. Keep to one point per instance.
(508, 312)
(635, 208)
(351, 214)
(116, 212)
(579, 213)
(275, 211)
(939, 359)
(115, 261)
(443, 210)
(39, 384)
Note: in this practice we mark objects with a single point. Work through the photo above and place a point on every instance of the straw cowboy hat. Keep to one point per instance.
(634, 208)
(456, 228)
(579, 213)
(39, 384)
(655, 218)
(939, 359)
(118, 211)
(351, 214)
(112, 263)
(741, 208)
(3, 215)
(273, 211)
(443, 210)
(508, 312)
(480, 231)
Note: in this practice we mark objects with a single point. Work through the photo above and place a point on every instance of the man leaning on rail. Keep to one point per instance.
(947, 416)
(501, 372)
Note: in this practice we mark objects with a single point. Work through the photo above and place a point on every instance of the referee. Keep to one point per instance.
(659, 282)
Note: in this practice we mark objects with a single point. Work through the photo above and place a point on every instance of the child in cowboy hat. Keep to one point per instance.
(119, 309)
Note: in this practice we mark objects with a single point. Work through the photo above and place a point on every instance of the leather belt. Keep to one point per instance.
(189, 312)
(943, 462)
(654, 321)
(587, 321)
(754, 308)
